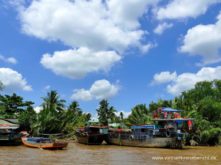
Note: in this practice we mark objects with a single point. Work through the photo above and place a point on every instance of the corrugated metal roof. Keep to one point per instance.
(6, 124)
(166, 109)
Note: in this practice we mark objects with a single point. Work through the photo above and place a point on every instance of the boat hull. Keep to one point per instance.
(90, 139)
(152, 142)
(53, 145)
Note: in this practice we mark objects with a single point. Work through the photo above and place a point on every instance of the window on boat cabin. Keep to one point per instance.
(144, 130)
(92, 130)
(141, 131)
(103, 130)
(2, 131)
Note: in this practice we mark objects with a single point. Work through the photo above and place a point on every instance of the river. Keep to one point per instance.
(110, 155)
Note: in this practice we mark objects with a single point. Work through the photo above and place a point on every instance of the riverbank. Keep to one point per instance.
(105, 154)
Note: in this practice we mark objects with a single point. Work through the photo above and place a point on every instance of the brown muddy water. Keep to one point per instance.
(110, 155)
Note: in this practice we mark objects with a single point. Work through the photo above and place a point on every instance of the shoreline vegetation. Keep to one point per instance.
(202, 103)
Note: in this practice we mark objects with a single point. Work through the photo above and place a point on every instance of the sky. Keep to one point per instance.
(129, 52)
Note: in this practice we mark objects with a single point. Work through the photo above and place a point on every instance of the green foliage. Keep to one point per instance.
(12, 106)
(210, 109)
(54, 118)
(52, 102)
(203, 104)
(50, 119)
(1, 86)
(74, 118)
(160, 103)
(27, 119)
(139, 115)
(106, 113)
(211, 136)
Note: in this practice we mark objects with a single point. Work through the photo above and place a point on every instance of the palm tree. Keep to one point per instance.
(51, 118)
(105, 113)
(121, 116)
(53, 102)
(74, 108)
(1, 86)
(139, 115)
(12, 105)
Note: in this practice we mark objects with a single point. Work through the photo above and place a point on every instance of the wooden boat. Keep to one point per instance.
(44, 143)
(166, 131)
(92, 134)
(143, 136)
(9, 132)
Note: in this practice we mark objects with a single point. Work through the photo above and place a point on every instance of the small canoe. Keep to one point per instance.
(44, 143)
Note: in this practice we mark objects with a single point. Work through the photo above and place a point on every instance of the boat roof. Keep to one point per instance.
(98, 126)
(167, 109)
(93, 126)
(176, 119)
(8, 124)
(143, 127)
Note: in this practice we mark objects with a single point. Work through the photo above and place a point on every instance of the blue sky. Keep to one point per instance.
(128, 52)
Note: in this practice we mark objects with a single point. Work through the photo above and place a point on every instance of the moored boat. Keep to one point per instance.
(9, 132)
(44, 143)
(144, 136)
(168, 130)
(92, 134)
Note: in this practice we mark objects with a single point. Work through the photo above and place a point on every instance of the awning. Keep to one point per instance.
(166, 109)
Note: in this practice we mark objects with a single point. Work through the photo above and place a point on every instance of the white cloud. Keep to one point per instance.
(47, 87)
(126, 13)
(146, 47)
(205, 41)
(10, 60)
(100, 89)
(164, 77)
(37, 109)
(82, 94)
(77, 63)
(162, 27)
(95, 24)
(186, 81)
(125, 113)
(181, 9)
(12, 80)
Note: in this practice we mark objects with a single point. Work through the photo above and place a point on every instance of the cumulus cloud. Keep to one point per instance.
(164, 77)
(205, 41)
(181, 9)
(146, 47)
(186, 81)
(82, 94)
(162, 27)
(96, 24)
(77, 63)
(100, 89)
(125, 113)
(10, 60)
(37, 109)
(12, 80)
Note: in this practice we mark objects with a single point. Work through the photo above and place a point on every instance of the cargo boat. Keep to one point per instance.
(167, 131)
(92, 134)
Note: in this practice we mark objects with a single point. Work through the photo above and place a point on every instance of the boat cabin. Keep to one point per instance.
(169, 122)
(94, 130)
(9, 130)
(142, 131)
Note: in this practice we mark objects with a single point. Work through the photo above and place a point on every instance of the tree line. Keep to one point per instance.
(202, 103)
